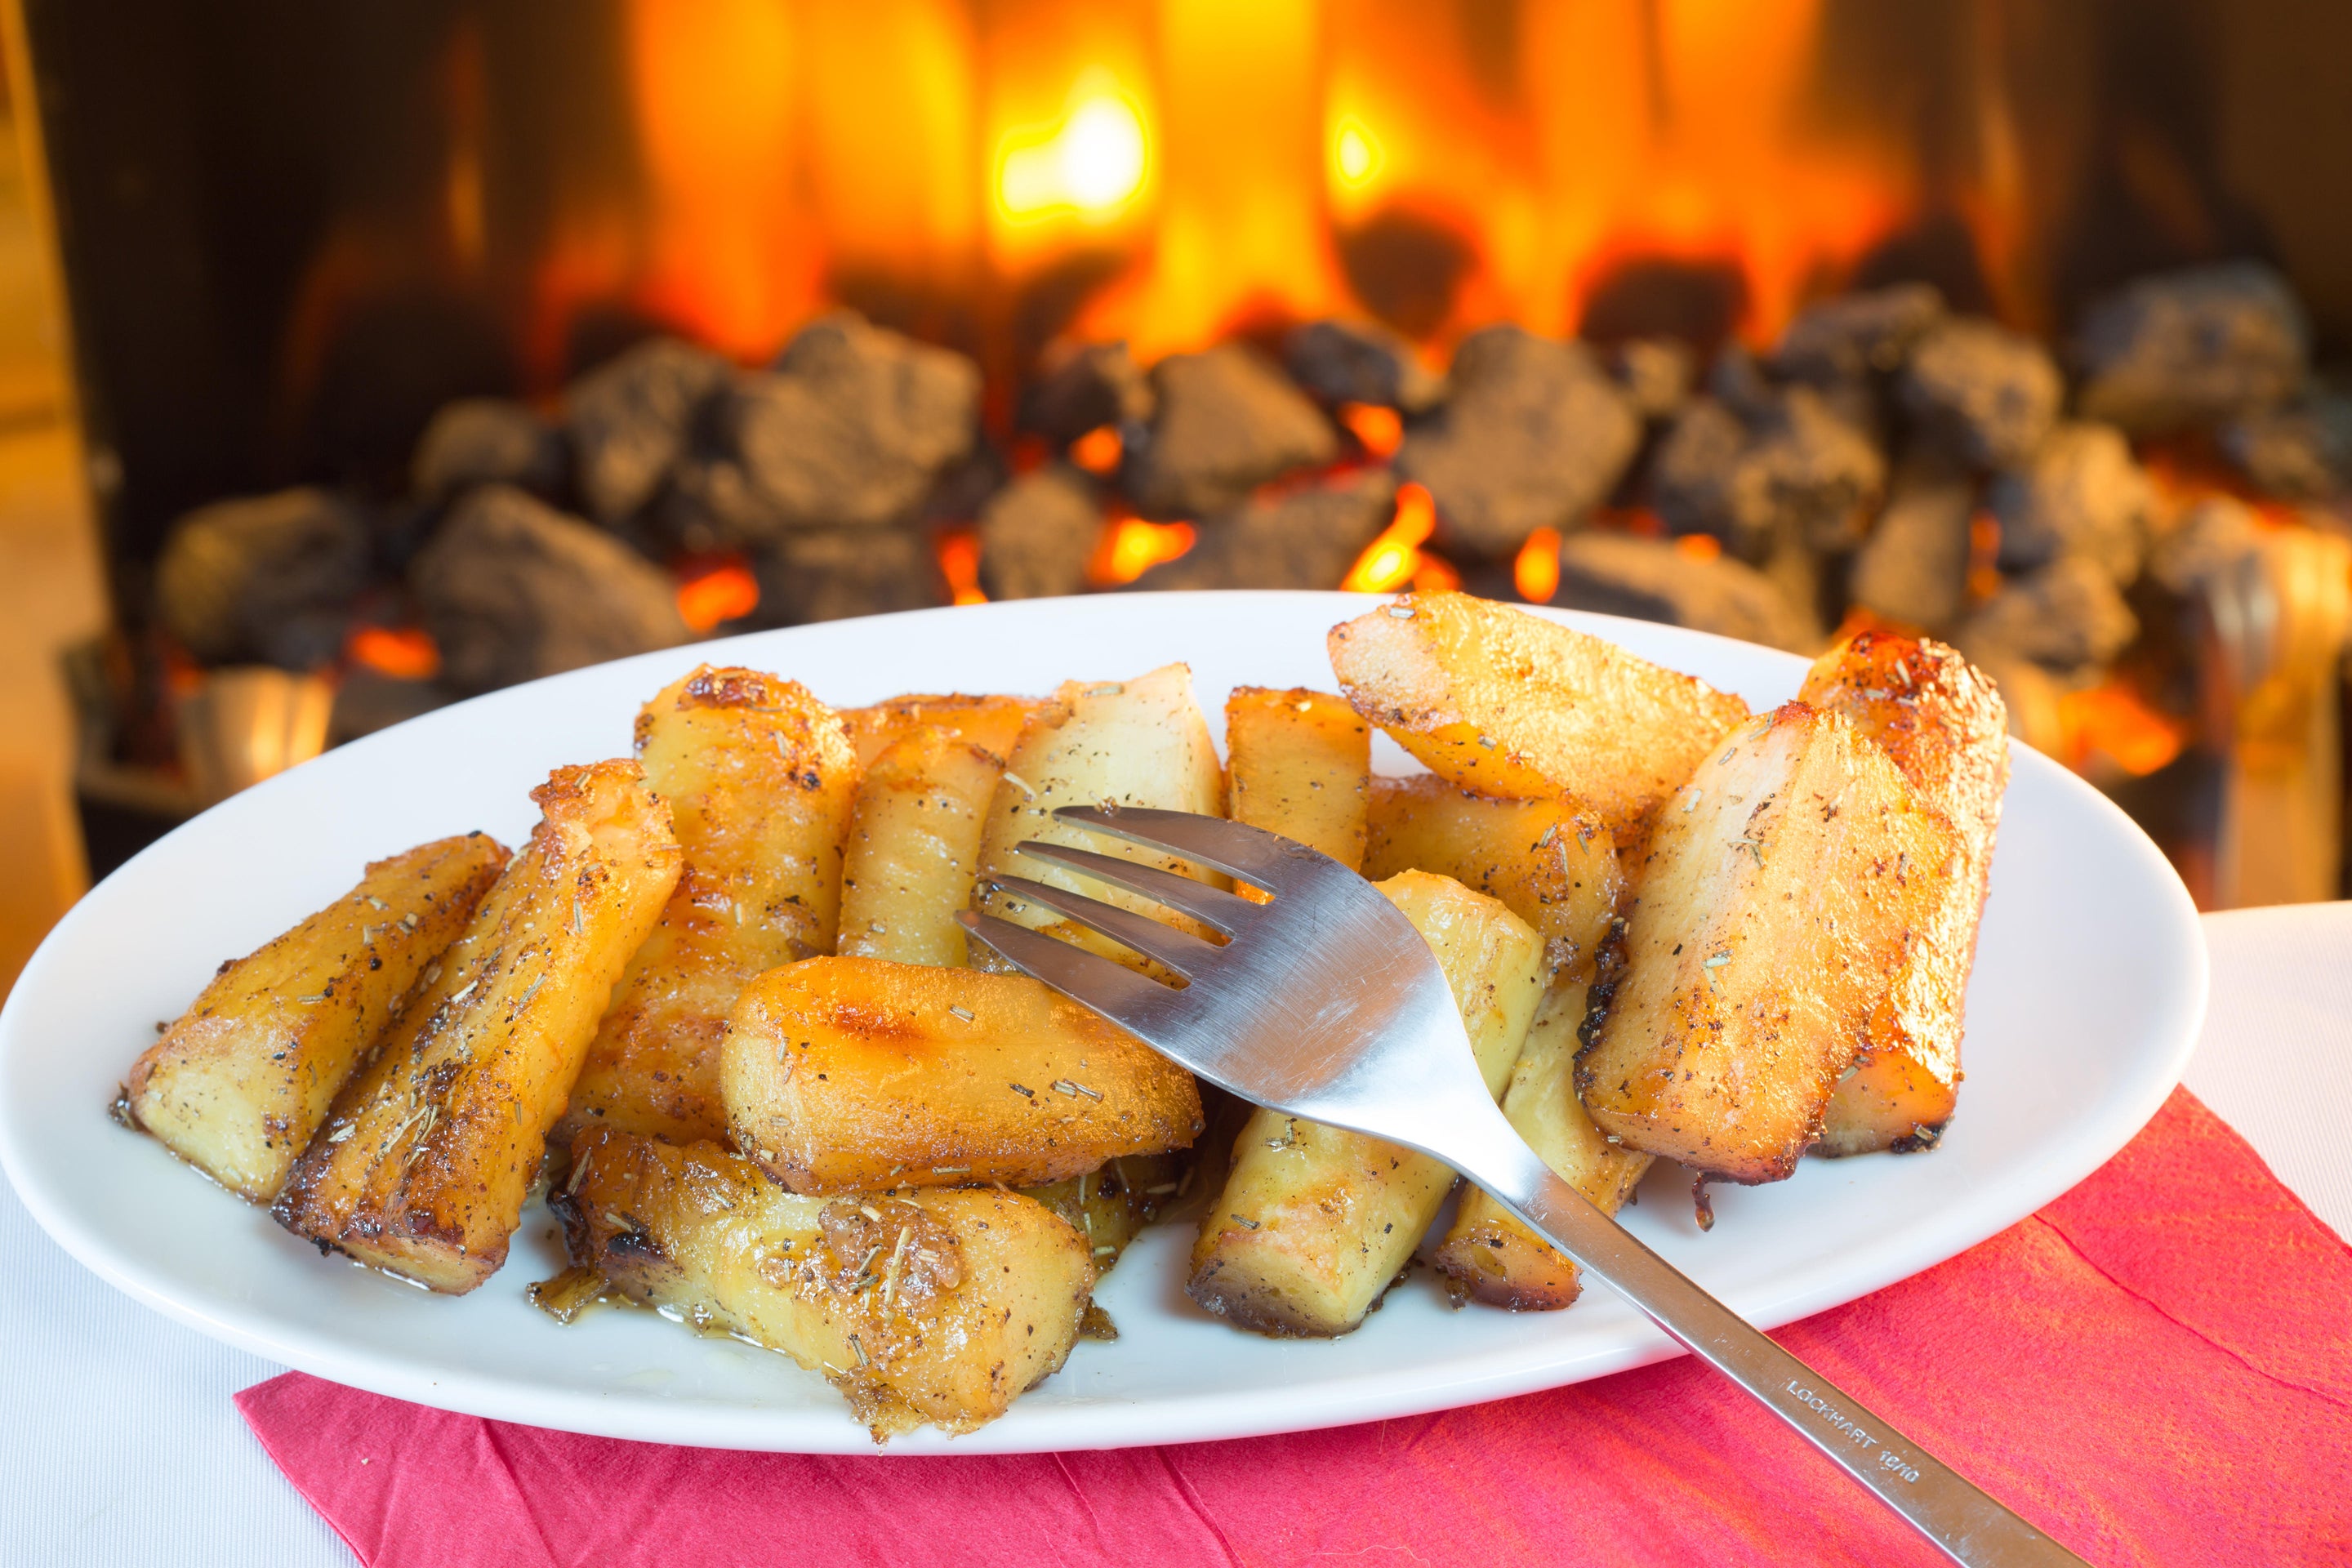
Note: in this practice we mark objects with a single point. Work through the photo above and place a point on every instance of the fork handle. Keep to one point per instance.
(1939, 1502)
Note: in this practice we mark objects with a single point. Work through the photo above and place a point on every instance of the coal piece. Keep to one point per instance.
(1985, 395)
(2081, 494)
(485, 441)
(2205, 546)
(1084, 387)
(2192, 347)
(264, 578)
(1036, 533)
(629, 420)
(2300, 452)
(1308, 538)
(1650, 580)
(1534, 435)
(1360, 361)
(1799, 473)
(1228, 420)
(832, 575)
(1852, 337)
(852, 428)
(1655, 374)
(1914, 567)
(2068, 617)
(512, 590)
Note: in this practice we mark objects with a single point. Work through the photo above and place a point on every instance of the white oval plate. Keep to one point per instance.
(2089, 989)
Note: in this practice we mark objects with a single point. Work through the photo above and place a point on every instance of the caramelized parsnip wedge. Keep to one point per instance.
(1507, 703)
(759, 776)
(846, 1075)
(992, 724)
(939, 1307)
(1489, 1257)
(422, 1167)
(1551, 862)
(1134, 743)
(914, 846)
(1111, 1205)
(1315, 1222)
(238, 1086)
(1940, 720)
(1300, 763)
(1784, 890)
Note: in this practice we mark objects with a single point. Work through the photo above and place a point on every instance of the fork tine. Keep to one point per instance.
(1237, 849)
(1181, 951)
(1215, 907)
(1117, 992)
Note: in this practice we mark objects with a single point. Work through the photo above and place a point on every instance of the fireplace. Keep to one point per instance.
(427, 348)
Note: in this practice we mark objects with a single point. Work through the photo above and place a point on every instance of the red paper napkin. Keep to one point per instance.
(2157, 1368)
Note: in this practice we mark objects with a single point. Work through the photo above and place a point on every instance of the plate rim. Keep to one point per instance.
(1208, 1416)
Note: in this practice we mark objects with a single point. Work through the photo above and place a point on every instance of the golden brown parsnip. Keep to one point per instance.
(1783, 891)
(1300, 763)
(938, 1306)
(1551, 862)
(914, 846)
(1489, 1257)
(992, 724)
(1111, 1205)
(1507, 703)
(1943, 723)
(423, 1162)
(239, 1083)
(1314, 1223)
(760, 777)
(1135, 743)
(846, 1075)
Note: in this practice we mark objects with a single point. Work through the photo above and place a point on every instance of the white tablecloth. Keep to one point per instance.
(120, 1445)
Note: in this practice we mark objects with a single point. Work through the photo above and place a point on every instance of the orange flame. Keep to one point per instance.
(403, 653)
(959, 554)
(716, 591)
(1699, 547)
(1128, 547)
(1099, 450)
(1380, 430)
(1394, 559)
(2113, 720)
(1535, 574)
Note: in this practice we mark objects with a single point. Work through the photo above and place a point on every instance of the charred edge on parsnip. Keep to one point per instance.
(1608, 973)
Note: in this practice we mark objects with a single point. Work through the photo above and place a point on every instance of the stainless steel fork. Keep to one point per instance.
(1325, 1003)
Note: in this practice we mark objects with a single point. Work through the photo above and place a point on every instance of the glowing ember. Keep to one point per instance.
(1380, 430)
(1394, 559)
(1535, 574)
(1128, 547)
(1700, 546)
(403, 653)
(1099, 450)
(2113, 720)
(959, 554)
(716, 591)
(1984, 549)
(1435, 575)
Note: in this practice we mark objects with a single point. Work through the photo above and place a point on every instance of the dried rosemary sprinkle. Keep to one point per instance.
(342, 1134)
(1401, 612)
(961, 1011)
(859, 1349)
(898, 1258)
(1017, 782)
(1030, 1093)
(1162, 1191)
(1245, 1223)
(870, 1211)
(377, 904)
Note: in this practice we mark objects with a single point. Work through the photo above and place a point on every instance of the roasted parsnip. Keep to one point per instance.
(1314, 1223)
(1135, 742)
(1489, 1257)
(1300, 763)
(992, 724)
(1507, 703)
(846, 1075)
(1784, 890)
(423, 1162)
(914, 846)
(938, 1306)
(238, 1086)
(760, 778)
(1112, 1203)
(1940, 720)
(1551, 862)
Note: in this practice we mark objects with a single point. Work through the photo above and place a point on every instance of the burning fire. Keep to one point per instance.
(1099, 450)
(1535, 574)
(2113, 720)
(959, 557)
(1394, 559)
(1380, 430)
(1128, 547)
(403, 653)
(1091, 163)
(716, 590)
